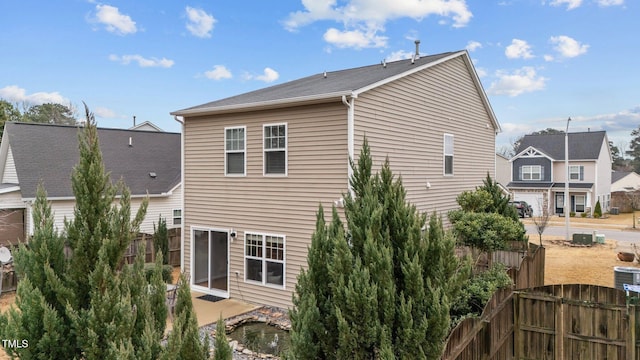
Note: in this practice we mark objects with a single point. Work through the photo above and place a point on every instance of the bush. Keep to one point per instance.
(584, 215)
(167, 270)
(572, 214)
(597, 211)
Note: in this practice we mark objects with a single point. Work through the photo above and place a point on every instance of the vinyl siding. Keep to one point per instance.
(11, 200)
(603, 175)
(9, 175)
(157, 206)
(559, 171)
(547, 170)
(317, 174)
(406, 120)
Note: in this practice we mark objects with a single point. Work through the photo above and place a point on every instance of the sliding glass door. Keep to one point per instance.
(210, 261)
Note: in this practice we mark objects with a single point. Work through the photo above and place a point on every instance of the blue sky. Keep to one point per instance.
(540, 61)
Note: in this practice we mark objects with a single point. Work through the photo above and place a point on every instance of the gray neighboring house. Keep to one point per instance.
(538, 172)
(30, 153)
(257, 165)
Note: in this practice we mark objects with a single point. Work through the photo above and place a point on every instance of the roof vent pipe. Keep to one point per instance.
(417, 42)
(130, 141)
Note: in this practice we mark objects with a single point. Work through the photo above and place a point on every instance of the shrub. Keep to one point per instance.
(597, 211)
(584, 215)
(572, 214)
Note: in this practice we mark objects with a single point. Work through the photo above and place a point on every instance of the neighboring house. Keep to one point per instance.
(146, 126)
(503, 170)
(257, 165)
(30, 153)
(623, 183)
(538, 172)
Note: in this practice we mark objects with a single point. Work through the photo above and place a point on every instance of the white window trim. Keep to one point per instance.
(264, 259)
(173, 216)
(572, 171)
(286, 151)
(583, 204)
(244, 171)
(445, 154)
(531, 172)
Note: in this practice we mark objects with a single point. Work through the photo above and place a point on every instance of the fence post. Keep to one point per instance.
(517, 339)
(631, 337)
(559, 329)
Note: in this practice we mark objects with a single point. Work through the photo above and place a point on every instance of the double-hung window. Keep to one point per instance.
(234, 150)
(177, 216)
(580, 201)
(531, 172)
(576, 172)
(264, 258)
(448, 154)
(275, 149)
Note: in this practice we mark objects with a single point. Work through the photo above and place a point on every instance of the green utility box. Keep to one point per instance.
(583, 239)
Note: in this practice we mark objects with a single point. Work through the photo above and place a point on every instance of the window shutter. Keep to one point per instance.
(520, 173)
(581, 172)
(542, 173)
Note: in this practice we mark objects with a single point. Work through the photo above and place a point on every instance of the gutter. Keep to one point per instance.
(181, 121)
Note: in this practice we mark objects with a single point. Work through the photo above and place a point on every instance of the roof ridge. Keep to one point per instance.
(81, 126)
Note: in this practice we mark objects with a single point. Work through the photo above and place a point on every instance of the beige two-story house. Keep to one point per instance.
(258, 165)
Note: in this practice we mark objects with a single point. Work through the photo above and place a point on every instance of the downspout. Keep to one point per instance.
(181, 121)
(350, 137)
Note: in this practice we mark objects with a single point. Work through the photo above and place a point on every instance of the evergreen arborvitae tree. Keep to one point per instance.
(184, 341)
(88, 304)
(222, 350)
(597, 211)
(379, 287)
(161, 238)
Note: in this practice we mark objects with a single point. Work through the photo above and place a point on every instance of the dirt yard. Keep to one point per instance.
(564, 264)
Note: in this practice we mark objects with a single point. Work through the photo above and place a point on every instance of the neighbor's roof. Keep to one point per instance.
(619, 175)
(331, 85)
(48, 153)
(582, 145)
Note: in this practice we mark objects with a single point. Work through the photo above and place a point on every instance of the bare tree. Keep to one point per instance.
(633, 197)
(542, 219)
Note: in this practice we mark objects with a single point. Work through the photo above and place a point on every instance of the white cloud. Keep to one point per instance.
(519, 49)
(364, 19)
(571, 4)
(269, 75)
(482, 72)
(548, 57)
(473, 46)
(200, 23)
(568, 47)
(399, 55)
(219, 72)
(517, 82)
(354, 39)
(114, 21)
(142, 61)
(610, 2)
(13, 93)
(103, 112)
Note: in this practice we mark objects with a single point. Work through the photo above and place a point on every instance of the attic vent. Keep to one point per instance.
(152, 175)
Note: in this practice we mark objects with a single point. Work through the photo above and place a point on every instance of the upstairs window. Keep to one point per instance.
(177, 216)
(576, 172)
(234, 149)
(448, 154)
(530, 172)
(275, 149)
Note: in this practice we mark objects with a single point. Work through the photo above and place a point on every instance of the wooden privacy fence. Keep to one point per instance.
(150, 256)
(551, 322)
(490, 336)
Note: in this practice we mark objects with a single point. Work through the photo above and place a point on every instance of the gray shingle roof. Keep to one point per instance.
(582, 145)
(617, 175)
(335, 82)
(48, 153)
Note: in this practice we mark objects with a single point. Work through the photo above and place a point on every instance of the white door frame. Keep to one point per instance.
(208, 290)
